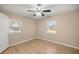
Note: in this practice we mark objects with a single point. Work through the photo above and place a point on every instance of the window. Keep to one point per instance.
(52, 26)
(15, 26)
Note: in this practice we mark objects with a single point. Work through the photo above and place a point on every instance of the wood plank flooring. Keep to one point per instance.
(38, 46)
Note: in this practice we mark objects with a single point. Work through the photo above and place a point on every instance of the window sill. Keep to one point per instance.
(15, 32)
(51, 31)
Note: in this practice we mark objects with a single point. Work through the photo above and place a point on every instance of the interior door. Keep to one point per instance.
(4, 41)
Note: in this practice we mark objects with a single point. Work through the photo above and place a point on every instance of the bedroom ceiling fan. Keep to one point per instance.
(38, 11)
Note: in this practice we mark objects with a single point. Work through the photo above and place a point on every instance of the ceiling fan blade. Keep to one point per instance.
(42, 14)
(46, 11)
(31, 10)
(34, 15)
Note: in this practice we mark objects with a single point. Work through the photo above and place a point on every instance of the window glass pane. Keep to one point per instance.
(52, 26)
(14, 26)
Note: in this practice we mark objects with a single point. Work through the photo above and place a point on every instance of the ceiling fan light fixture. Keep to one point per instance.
(38, 14)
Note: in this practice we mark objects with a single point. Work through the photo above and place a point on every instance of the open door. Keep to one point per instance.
(4, 41)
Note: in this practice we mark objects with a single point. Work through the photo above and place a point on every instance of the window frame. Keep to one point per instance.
(48, 28)
(20, 27)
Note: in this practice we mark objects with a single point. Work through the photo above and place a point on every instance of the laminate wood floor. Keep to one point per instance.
(38, 46)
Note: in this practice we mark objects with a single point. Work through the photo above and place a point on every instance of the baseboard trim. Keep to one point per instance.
(59, 43)
(4, 50)
(21, 42)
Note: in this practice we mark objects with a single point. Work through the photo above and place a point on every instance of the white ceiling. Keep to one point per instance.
(20, 9)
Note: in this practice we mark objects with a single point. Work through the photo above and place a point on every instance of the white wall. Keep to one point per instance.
(67, 28)
(4, 40)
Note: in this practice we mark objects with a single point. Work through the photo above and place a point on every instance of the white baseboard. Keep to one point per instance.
(59, 43)
(21, 42)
